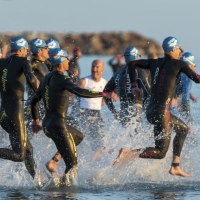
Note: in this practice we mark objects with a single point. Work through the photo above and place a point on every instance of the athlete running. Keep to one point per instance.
(54, 90)
(130, 103)
(12, 72)
(183, 89)
(40, 68)
(164, 73)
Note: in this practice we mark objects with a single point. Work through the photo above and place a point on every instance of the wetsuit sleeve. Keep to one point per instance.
(110, 86)
(186, 88)
(34, 103)
(190, 73)
(132, 69)
(71, 87)
(31, 79)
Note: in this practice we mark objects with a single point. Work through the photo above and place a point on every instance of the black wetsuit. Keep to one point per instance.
(39, 69)
(54, 90)
(121, 83)
(164, 74)
(13, 71)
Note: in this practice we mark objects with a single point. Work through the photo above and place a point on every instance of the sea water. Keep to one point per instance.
(98, 180)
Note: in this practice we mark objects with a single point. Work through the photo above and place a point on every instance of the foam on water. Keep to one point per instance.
(100, 172)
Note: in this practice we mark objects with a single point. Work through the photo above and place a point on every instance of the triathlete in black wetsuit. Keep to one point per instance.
(39, 50)
(13, 71)
(164, 73)
(121, 83)
(54, 90)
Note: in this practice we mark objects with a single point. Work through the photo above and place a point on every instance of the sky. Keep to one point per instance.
(155, 19)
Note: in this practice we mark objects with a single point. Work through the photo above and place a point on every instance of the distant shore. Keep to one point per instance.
(105, 43)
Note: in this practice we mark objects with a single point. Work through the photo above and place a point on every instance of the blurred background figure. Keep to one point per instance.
(74, 68)
(183, 95)
(116, 63)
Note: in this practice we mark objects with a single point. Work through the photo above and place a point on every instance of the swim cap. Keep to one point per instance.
(131, 53)
(59, 56)
(37, 44)
(188, 58)
(169, 44)
(58, 52)
(52, 43)
(18, 43)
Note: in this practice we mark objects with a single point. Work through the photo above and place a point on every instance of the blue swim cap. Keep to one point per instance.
(37, 44)
(59, 55)
(169, 44)
(18, 43)
(58, 51)
(188, 58)
(52, 43)
(131, 53)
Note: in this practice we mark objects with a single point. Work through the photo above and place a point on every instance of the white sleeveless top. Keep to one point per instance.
(93, 103)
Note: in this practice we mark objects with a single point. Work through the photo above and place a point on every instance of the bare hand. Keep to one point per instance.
(137, 93)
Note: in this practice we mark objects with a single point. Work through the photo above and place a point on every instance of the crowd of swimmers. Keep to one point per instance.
(45, 71)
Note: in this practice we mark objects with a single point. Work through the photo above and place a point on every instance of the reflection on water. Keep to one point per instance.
(133, 191)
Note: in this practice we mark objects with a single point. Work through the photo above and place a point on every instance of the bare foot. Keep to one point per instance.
(131, 154)
(121, 156)
(177, 171)
(52, 166)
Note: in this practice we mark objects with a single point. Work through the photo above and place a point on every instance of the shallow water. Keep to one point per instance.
(96, 180)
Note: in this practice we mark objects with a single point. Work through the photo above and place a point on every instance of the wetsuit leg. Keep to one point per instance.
(162, 141)
(65, 145)
(77, 135)
(162, 136)
(18, 139)
(29, 160)
(181, 130)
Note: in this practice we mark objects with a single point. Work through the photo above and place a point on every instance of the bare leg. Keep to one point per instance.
(121, 156)
(175, 168)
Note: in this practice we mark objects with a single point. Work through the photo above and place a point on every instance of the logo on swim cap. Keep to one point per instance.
(52, 44)
(58, 56)
(18, 43)
(169, 44)
(21, 42)
(38, 42)
(131, 53)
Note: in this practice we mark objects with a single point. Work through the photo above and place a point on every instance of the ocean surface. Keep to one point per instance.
(143, 179)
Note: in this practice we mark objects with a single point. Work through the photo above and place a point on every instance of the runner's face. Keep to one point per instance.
(44, 52)
(25, 52)
(66, 64)
(177, 53)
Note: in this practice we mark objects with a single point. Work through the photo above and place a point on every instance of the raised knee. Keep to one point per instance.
(162, 154)
(20, 157)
